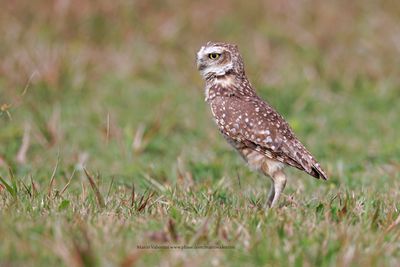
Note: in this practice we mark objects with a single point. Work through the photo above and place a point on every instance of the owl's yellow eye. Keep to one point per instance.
(214, 56)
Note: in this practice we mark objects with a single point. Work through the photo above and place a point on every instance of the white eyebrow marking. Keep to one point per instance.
(212, 49)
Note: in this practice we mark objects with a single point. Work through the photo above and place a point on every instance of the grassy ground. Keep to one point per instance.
(111, 88)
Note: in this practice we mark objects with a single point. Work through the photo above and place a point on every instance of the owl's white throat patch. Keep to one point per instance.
(217, 70)
(225, 81)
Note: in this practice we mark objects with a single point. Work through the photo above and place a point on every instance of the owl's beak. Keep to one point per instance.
(199, 61)
(200, 65)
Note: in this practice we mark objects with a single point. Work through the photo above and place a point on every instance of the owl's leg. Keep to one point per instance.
(279, 183)
(271, 194)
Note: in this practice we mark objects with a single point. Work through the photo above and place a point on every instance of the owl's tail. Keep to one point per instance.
(318, 172)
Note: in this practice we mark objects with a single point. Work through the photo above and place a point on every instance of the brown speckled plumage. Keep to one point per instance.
(259, 133)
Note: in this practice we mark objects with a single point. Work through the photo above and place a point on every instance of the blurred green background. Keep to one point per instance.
(113, 86)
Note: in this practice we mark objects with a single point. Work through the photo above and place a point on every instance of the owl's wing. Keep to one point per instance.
(260, 127)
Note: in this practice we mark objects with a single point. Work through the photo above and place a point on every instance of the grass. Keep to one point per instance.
(106, 144)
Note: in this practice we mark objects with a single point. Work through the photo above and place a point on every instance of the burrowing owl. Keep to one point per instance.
(260, 134)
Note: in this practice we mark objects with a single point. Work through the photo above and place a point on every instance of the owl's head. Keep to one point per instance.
(219, 59)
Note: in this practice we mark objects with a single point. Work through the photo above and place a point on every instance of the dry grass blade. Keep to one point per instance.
(133, 195)
(99, 197)
(29, 82)
(154, 183)
(68, 183)
(144, 204)
(141, 200)
(110, 187)
(158, 200)
(26, 188)
(53, 175)
(33, 186)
